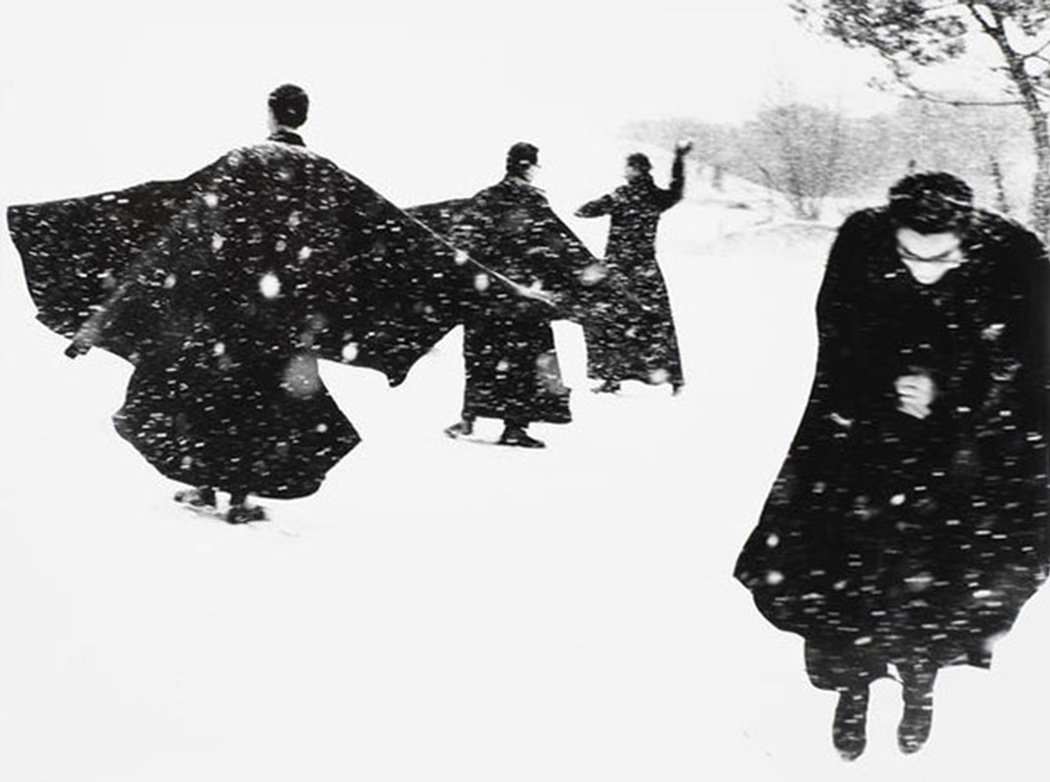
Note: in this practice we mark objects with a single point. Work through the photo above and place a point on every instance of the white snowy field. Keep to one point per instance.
(452, 611)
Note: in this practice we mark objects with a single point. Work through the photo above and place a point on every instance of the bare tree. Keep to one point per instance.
(913, 34)
(798, 149)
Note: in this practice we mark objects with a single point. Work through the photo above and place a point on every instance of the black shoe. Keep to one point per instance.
(203, 497)
(517, 437)
(462, 428)
(244, 514)
(848, 733)
(608, 387)
(917, 719)
(914, 728)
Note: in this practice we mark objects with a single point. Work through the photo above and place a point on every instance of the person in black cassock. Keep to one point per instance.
(908, 525)
(224, 289)
(254, 402)
(512, 369)
(252, 408)
(633, 336)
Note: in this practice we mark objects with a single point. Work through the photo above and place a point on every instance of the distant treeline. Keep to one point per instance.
(810, 153)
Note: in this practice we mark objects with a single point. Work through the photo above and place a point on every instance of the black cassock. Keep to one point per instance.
(633, 335)
(224, 289)
(512, 369)
(887, 537)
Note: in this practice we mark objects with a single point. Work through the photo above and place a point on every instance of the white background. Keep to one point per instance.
(439, 610)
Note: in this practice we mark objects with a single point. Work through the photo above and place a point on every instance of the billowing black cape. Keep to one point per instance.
(223, 289)
(632, 336)
(911, 537)
(512, 368)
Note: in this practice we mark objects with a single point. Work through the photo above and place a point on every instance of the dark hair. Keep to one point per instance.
(931, 202)
(640, 162)
(289, 104)
(521, 156)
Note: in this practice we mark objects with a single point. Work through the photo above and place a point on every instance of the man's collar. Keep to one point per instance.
(286, 136)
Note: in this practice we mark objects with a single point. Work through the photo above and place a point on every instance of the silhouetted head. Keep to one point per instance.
(637, 165)
(521, 158)
(639, 161)
(931, 202)
(288, 105)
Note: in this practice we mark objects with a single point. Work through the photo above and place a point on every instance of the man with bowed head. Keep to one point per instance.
(909, 523)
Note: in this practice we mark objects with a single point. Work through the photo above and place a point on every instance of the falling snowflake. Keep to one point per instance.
(592, 274)
(349, 351)
(773, 540)
(774, 577)
(658, 376)
(269, 285)
(481, 282)
(211, 199)
(169, 281)
(217, 241)
(304, 253)
(919, 582)
(460, 257)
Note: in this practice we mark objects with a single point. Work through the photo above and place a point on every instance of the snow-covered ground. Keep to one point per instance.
(451, 611)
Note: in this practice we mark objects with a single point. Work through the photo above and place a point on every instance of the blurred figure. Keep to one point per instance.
(632, 334)
(908, 525)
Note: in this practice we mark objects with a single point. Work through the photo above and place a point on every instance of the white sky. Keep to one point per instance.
(431, 88)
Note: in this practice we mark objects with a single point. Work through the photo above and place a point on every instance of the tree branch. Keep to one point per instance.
(930, 98)
(915, 92)
(1038, 51)
(990, 27)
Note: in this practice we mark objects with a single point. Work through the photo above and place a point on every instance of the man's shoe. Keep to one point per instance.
(849, 733)
(917, 719)
(914, 727)
(244, 514)
(460, 429)
(517, 437)
(203, 497)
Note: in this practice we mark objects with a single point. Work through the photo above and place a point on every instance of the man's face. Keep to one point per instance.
(929, 256)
